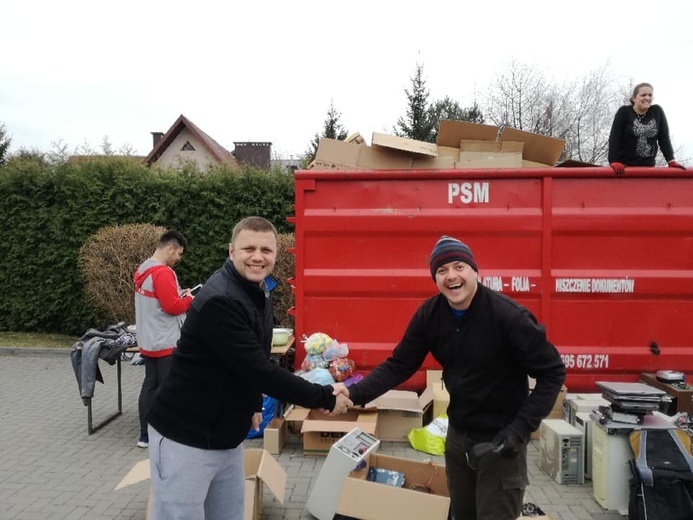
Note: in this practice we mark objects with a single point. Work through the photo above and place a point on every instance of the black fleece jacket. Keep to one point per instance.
(486, 357)
(221, 368)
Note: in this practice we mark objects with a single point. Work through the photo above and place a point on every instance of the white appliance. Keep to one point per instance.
(562, 451)
(584, 423)
(610, 468)
(344, 456)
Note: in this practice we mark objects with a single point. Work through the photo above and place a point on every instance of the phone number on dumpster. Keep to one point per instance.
(593, 361)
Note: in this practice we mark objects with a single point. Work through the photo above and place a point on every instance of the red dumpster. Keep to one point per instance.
(605, 262)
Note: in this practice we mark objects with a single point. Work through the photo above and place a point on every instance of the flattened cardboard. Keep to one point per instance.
(434, 163)
(403, 144)
(320, 431)
(363, 499)
(399, 412)
(491, 146)
(355, 138)
(336, 155)
(450, 133)
(449, 151)
(478, 160)
(532, 164)
(383, 159)
(538, 148)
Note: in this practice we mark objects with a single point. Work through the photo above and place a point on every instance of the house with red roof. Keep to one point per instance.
(183, 142)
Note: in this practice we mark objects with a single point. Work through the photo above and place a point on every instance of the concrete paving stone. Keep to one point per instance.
(51, 469)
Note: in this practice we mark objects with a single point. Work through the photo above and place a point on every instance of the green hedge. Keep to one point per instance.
(48, 212)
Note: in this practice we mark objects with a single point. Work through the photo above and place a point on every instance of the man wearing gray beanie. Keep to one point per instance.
(488, 345)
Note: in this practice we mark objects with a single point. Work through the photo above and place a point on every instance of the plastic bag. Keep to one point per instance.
(313, 361)
(335, 351)
(320, 376)
(317, 342)
(430, 438)
(341, 369)
(269, 409)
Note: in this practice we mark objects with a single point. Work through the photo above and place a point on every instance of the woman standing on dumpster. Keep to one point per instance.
(637, 130)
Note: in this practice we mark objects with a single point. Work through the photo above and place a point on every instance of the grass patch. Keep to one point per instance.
(35, 339)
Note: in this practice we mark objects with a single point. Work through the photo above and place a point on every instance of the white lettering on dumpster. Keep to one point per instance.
(468, 192)
(595, 285)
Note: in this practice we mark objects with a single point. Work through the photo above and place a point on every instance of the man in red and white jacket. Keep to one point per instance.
(160, 307)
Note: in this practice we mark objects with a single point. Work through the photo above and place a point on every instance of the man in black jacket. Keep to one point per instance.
(488, 345)
(212, 395)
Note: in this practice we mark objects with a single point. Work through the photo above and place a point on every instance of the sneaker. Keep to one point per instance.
(144, 441)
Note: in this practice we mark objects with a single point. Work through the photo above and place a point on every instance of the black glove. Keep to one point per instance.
(509, 443)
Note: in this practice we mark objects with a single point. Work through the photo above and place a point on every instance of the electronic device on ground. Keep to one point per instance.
(344, 456)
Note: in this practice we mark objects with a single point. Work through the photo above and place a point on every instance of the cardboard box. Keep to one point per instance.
(383, 159)
(259, 466)
(363, 499)
(336, 155)
(401, 411)
(321, 431)
(342, 155)
(441, 397)
(355, 138)
(475, 160)
(274, 436)
(532, 164)
(434, 163)
(449, 151)
(491, 146)
(538, 148)
(403, 144)
(450, 133)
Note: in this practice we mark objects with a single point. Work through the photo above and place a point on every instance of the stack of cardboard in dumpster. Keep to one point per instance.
(460, 145)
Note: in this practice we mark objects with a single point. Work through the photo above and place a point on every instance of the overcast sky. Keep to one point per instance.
(78, 70)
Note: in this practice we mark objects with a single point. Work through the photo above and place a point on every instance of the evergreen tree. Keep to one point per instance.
(332, 129)
(447, 108)
(418, 123)
(5, 141)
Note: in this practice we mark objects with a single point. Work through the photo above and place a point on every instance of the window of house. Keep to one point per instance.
(187, 147)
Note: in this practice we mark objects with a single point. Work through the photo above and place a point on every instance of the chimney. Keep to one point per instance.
(254, 153)
(156, 137)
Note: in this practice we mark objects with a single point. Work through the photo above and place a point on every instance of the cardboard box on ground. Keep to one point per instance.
(363, 499)
(260, 467)
(460, 145)
(321, 431)
(401, 411)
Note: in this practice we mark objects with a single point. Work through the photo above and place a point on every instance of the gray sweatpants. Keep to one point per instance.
(194, 484)
(494, 491)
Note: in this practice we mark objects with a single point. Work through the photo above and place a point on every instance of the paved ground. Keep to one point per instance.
(51, 469)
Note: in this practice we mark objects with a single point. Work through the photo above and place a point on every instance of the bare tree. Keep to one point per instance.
(578, 111)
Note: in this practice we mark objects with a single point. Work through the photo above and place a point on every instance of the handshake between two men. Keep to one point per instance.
(343, 403)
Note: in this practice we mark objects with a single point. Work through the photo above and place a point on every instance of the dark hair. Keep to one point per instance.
(258, 224)
(174, 238)
(636, 89)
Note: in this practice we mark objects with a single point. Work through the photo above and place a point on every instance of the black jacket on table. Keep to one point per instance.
(221, 368)
(633, 139)
(486, 357)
